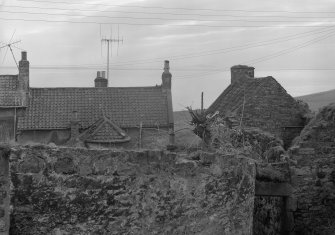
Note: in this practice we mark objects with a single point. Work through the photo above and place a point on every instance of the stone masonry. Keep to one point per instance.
(80, 191)
(314, 182)
(4, 191)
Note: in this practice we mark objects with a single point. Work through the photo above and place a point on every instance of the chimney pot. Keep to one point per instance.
(103, 74)
(23, 55)
(166, 65)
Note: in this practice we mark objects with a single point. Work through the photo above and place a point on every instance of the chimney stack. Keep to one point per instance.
(240, 72)
(23, 77)
(101, 80)
(166, 76)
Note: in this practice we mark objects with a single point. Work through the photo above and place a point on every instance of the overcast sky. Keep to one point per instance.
(291, 40)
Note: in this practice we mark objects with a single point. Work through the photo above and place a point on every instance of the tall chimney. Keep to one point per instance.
(166, 76)
(23, 77)
(100, 80)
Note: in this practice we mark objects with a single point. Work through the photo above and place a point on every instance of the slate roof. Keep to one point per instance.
(9, 94)
(231, 99)
(52, 108)
(104, 131)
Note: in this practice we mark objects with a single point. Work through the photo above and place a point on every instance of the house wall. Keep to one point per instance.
(80, 191)
(7, 123)
(6, 130)
(151, 138)
(58, 137)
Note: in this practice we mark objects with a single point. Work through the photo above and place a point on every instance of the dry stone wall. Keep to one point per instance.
(80, 191)
(314, 177)
(4, 191)
(268, 215)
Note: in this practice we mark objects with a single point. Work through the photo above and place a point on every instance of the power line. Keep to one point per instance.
(159, 18)
(273, 55)
(213, 52)
(169, 25)
(164, 13)
(228, 49)
(289, 50)
(175, 8)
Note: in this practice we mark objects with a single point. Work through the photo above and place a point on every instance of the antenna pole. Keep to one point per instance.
(13, 56)
(110, 40)
(9, 45)
(108, 60)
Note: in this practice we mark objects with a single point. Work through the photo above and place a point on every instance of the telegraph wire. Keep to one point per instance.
(225, 50)
(222, 50)
(271, 56)
(167, 25)
(213, 52)
(163, 13)
(176, 8)
(159, 18)
(254, 60)
(289, 50)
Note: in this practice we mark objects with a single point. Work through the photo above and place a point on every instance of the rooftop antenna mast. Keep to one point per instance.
(110, 41)
(9, 45)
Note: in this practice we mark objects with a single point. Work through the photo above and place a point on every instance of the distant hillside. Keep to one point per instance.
(318, 100)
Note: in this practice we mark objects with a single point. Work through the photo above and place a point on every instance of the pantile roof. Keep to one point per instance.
(52, 108)
(9, 94)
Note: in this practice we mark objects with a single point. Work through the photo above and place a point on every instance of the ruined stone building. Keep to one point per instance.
(99, 115)
(259, 102)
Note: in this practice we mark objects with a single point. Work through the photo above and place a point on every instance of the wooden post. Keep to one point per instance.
(202, 102)
(140, 137)
(4, 190)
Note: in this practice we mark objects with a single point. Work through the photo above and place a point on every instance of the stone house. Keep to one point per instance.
(100, 115)
(259, 102)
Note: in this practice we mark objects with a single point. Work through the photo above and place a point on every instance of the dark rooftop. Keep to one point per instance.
(52, 108)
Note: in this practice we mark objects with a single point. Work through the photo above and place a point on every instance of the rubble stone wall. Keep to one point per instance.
(315, 175)
(80, 191)
(268, 215)
(4, 191)
(315, 189)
